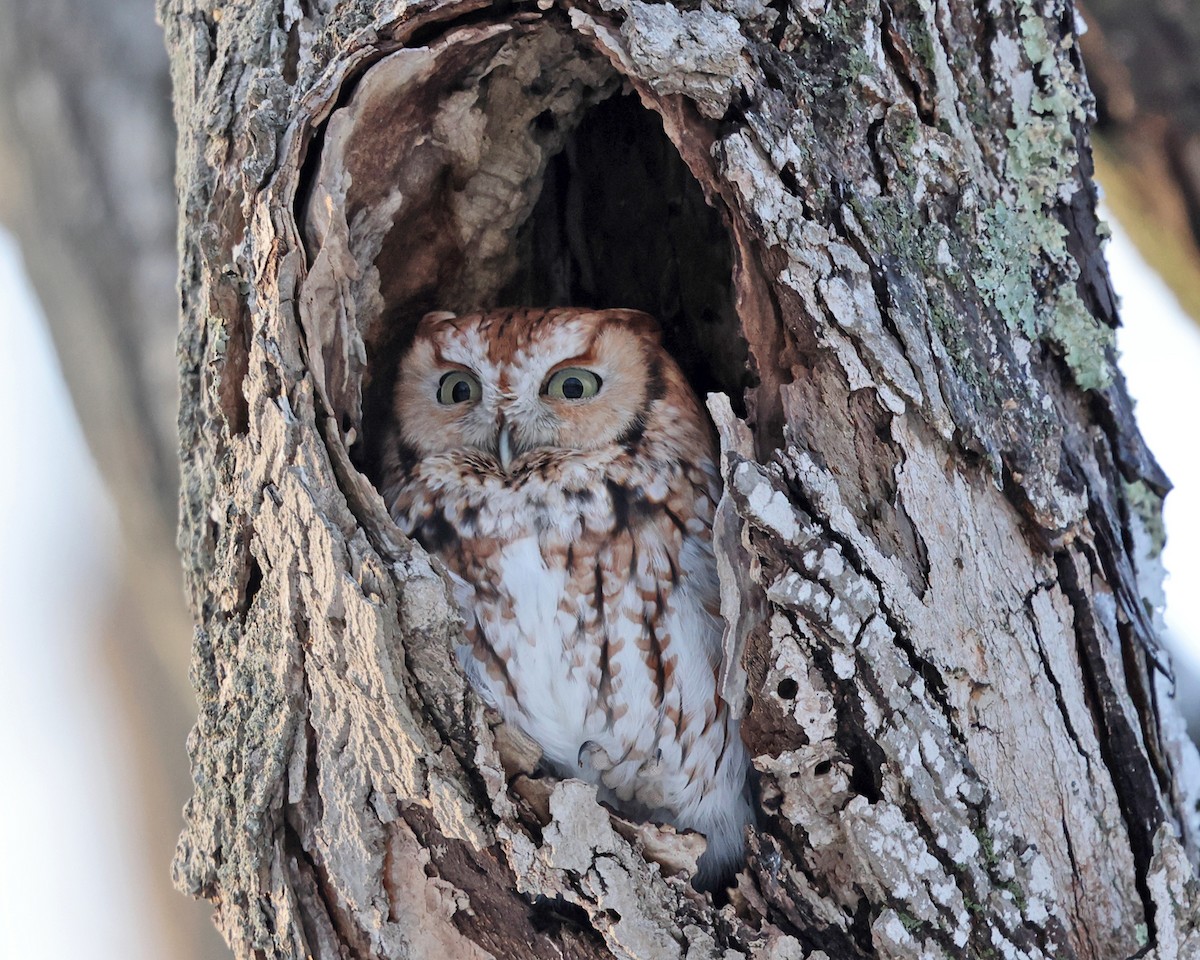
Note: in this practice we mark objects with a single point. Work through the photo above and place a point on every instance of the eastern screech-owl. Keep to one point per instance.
(562, 469)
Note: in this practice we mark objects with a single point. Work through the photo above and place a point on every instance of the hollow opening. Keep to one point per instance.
(504, 165)
(621, 222)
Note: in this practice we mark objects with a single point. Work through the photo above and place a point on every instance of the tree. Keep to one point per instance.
(85, 183)
(1149, 129)
(937, 532)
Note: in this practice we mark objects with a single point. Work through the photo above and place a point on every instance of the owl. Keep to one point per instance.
(560, 466)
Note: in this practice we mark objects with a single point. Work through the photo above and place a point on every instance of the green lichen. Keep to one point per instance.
(1086, 343)
(842, 21)
(916, 243)
(986, 846)
(219, 336)
(842, 26)
(922, 45)
(1027, 267)
(1018, 895)
(1147, 505)
(903, 136)
(1010, 292)
(1034, 38)
(856, 65)
(993, 861)
(908, 921)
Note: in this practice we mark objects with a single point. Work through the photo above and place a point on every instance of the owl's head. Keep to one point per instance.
(512, 381)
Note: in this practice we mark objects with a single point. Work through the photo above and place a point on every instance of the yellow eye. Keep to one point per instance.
(458, 386)
(573, 383)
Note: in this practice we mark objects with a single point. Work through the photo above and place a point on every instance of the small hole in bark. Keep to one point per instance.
(788, 688)
(787, 175)
(779, 28)
(548, 915)
(291, 55)
(254, 579)
(823, 768)
(233, 361)
(772, 77)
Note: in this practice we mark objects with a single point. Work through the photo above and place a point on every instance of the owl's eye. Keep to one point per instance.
(573, 383)
(458, 386)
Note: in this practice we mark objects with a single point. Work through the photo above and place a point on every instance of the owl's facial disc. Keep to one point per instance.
(508, 385)
(514, 410)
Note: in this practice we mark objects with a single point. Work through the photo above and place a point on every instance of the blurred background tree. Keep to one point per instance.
(86, 186)
(1143, 62)
(86, 167)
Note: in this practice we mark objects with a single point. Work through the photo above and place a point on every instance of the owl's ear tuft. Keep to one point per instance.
(435, 319)
(639, 322)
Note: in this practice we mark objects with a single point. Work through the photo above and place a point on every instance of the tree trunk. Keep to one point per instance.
(872, 228)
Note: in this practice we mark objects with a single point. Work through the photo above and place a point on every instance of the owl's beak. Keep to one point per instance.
(504, 446)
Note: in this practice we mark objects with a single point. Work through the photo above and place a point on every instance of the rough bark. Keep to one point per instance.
(934, 529)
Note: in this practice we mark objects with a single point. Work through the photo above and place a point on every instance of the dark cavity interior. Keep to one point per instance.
(621, 222)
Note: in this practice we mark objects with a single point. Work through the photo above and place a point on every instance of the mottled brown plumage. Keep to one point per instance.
(561, 467)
